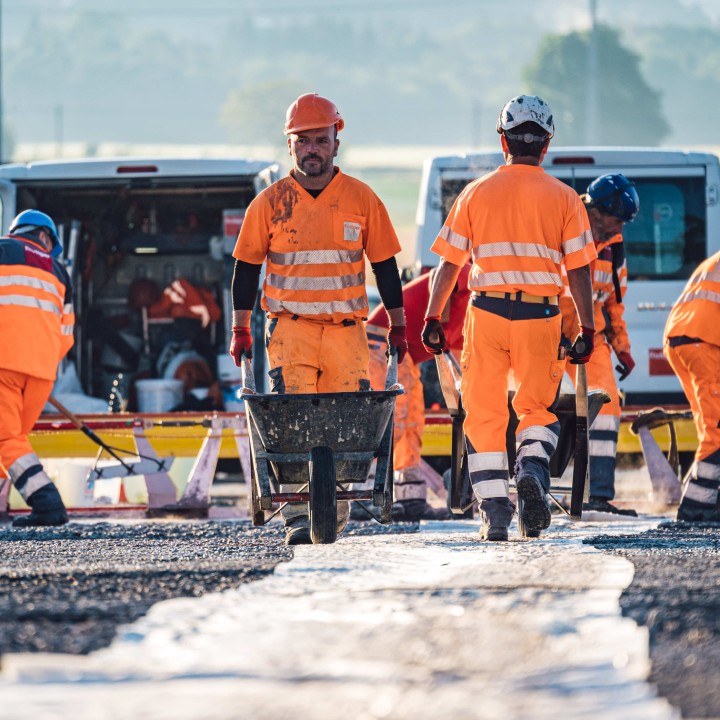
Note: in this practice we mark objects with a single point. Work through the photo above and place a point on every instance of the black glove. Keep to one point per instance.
(582, 348)
(433, 327)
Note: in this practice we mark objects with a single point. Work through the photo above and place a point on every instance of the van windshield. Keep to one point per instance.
(666, 240)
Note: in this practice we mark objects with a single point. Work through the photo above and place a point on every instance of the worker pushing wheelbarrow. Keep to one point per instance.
(320, 443)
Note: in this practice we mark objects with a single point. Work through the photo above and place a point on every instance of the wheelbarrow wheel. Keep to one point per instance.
(323, 496)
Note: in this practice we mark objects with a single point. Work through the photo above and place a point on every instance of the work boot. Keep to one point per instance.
(535, 512)
(416, 510)
(297, 532)
(599, 504)
(688, 513)
(47, 509)
(493, 533)
(357, 514)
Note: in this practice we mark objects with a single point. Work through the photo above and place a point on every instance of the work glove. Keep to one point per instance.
(397, 338)
(625, 364)
(241, 344)
(582, 348)
(432, 328)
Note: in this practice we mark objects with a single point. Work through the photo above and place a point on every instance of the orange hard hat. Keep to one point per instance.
(312, 111)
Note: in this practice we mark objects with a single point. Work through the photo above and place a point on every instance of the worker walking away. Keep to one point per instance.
(36, 327)
(519, 225)
(692, 347)
(314, 229)
(611, 201)
(410, 484)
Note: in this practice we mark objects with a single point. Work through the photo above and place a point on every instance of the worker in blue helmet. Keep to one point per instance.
(36, 327)
(610, 201)
(29, 223)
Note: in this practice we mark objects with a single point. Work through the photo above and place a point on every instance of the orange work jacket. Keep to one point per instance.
(315, 248)
(36, 310)
(519, 224)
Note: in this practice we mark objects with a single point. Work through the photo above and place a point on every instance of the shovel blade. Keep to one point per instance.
(132, 467)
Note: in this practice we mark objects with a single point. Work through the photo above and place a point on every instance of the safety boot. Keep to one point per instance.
(416, 510)
(47, 509)
(493, 533)
(297, 532)
(535, 511)
(696, 512)
(599, 504)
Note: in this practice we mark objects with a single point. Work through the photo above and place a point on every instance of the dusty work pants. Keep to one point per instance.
(606, 426)
(22, 398)
(498, 340)
(697, 366)
(409, 420)
(307, 356)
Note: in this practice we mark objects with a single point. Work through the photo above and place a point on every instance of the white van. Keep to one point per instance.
(677, 227)
(124, 220)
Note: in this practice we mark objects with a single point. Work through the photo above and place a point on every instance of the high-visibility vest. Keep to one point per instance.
(36, 310)
(315, 248)
(696, 313)
(519, 225)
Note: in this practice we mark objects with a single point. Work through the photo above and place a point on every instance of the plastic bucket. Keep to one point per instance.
(158, 395)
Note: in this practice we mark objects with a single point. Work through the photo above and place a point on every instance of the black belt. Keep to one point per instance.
(514, 309)
(682, 340)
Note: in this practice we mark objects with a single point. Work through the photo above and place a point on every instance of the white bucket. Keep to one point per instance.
(158, 395)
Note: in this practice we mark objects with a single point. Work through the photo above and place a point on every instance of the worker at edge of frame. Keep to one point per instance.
(36, 326)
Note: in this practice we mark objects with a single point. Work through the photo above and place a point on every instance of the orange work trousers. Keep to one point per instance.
(308, 356)
(22, 398)
(409, 408)
(698, 368)
(493, 346)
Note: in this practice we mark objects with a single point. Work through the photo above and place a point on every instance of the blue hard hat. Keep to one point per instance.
(29, 220)
(615, 195)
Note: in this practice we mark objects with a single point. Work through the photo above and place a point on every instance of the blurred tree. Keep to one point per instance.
(629, 109)
(255, 114)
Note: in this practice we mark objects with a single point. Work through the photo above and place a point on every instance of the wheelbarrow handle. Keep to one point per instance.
(248, 377)
(392, 369)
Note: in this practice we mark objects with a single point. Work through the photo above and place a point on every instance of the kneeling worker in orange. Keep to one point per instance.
(36, 327)
(519, 225)
(410, 486)
(692, 347)
(611, 201)
(314, 230)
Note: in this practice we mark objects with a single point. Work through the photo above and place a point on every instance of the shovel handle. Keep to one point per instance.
(75, 420)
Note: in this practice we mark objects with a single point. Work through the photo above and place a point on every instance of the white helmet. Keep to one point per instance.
(526, 108)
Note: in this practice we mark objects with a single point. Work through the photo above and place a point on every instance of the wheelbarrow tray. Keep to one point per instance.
(285, 429)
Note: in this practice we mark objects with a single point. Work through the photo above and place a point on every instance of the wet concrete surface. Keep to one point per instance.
(675, 593)
(66, 590)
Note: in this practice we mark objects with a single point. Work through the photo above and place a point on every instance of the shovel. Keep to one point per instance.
(144, 466)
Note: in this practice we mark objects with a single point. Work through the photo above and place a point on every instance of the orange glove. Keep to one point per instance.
(241, 344)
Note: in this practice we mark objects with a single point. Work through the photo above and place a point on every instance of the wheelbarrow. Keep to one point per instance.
(575, 412)
(324, 442)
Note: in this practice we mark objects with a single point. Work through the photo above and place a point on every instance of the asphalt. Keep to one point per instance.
(675, 593)
(66, 590)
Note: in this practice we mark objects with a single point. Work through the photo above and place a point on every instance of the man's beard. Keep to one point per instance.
(321, 169)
